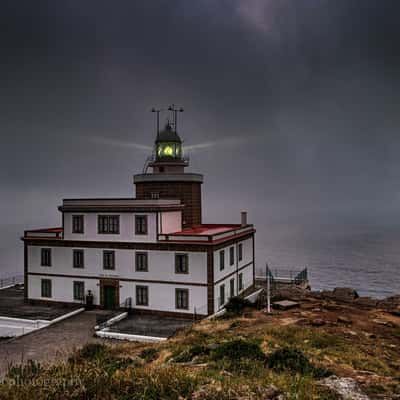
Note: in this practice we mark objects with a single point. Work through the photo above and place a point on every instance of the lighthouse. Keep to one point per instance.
(151, 252)
(165, 176)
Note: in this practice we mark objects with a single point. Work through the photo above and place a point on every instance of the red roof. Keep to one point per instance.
(206, 229)
(50, 230)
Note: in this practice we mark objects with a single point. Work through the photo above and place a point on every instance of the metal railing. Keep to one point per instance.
(11, 281)
(283, 275)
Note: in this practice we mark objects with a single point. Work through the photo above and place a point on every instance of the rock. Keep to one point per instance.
(270, 392)
(366, 302)
(370, 335)
(345, 294)
(381, 321)
(317, 322)
(344, 320)
(332, 307)
(347, 388)
(390, 303)
(285, 304)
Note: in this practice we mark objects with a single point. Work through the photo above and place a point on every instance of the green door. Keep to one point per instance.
(109, 297)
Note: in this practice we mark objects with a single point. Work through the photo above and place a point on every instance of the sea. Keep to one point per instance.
(362, 255)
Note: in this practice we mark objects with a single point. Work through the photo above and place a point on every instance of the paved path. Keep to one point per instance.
(50, 344)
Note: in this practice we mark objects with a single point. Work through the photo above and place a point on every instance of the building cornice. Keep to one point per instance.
(161, 177)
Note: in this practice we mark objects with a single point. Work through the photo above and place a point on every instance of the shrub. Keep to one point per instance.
(237, 349)
(236, 305)
(149, 354)
(288, 359)
(188, 354)
(91, 352)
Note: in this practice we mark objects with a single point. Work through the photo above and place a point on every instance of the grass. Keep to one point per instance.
(220, 360)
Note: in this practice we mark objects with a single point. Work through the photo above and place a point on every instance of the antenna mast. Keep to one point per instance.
(157, 110)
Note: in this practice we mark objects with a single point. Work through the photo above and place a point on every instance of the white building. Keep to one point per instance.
(151, 253)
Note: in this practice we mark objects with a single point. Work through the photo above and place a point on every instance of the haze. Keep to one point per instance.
(291, 107)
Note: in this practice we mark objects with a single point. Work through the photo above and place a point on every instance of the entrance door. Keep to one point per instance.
(109, 297)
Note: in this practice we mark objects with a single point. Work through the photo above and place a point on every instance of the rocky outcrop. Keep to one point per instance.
(344, 388)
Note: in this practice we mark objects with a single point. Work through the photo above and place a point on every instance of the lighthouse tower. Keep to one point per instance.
(167, 178)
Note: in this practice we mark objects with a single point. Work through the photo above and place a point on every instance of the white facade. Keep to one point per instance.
(162, 242)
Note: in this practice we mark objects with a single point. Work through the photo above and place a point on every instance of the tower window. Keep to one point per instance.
(77, 224)
(46, 287)
(232, 287)
(181, 264)
(45, 258)
(108, 260)
(141, 262)
(78, 259)
(221, 260)
(141, 224)
(222, 295)
(108, 224)
(182, 299)
(231, 255)
(240, 250)
(142, 295)
(241, 281)
(79, 290)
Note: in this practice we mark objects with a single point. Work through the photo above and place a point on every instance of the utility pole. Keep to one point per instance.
(268, 290)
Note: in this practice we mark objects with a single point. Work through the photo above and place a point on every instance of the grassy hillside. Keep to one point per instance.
(236, 357)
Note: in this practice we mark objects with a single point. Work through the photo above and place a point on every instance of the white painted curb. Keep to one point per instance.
(44, 323)
(113, 320)
(132, 338)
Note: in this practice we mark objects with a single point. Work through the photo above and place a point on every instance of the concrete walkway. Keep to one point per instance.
(50, 344)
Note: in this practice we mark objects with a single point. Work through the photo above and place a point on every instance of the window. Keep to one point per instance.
(240, 281)
(78, 257)
(232, 287)
(231, 255)
(108, 224)
(182, 299)
(141, 261)
(45, 258)
(141, 224)
(222, 295)
(155, 195)
(108, 259)
(240, 250)
(46, 287)
(142, 295)
(221, 260)
(77, 224)
(79, 290)
(181, 264)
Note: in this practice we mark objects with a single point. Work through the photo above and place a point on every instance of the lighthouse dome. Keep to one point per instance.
(168, 135)
(168, 145)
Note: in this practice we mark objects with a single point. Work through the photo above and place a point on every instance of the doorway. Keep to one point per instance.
(109, 297)
(109, 293)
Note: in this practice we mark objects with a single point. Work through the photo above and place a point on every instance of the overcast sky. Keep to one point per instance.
(295, 103)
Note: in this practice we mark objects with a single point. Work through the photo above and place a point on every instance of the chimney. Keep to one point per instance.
(243, 218)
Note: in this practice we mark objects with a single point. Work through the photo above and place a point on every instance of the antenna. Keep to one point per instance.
(175, 110)
(157, 110)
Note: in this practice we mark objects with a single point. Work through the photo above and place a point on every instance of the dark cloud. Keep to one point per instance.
(311, 86)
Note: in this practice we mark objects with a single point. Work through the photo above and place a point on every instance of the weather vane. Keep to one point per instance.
(174, 109)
